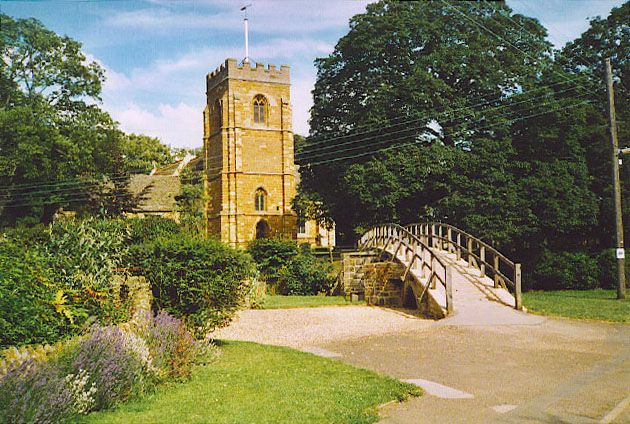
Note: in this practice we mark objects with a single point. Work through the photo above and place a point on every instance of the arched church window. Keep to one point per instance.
(260, 200)
(260, 109)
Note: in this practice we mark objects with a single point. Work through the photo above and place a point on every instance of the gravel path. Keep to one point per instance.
(306, 327)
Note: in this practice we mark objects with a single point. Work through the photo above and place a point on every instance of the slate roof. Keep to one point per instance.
(154, 193)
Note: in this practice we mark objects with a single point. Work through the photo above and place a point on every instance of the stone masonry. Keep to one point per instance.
(243, 156)
(383, 284)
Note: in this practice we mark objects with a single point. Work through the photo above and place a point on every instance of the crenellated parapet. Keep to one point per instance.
(246, 72)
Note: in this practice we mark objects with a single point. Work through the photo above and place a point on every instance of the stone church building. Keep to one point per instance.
(249, 156)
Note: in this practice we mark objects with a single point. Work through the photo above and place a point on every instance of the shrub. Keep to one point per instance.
(256, 295)
(34, 236)
(85, 252)
(202, 281)
(30, 309)
(304, 275)
(143, 230)
(33, 392)
(565, 270)
(83, 255)
(271, 254)
(117, 364)
(172, 347)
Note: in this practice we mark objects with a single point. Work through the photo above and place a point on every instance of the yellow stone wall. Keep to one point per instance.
(243, 156)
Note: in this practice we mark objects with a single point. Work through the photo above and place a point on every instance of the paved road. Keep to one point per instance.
(543, 371)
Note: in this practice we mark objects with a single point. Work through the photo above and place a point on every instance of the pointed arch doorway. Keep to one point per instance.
(262, 229)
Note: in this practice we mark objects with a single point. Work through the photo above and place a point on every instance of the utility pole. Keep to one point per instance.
(621, 273)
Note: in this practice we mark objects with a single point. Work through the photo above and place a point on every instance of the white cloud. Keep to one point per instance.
(179, 125)
(266, 16)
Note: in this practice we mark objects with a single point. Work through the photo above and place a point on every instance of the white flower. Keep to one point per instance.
(82, 399)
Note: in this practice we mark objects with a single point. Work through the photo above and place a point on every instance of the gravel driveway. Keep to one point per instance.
(307, 327)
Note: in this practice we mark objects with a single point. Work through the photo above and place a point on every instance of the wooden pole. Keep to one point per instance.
(621, 277)
(518, 301)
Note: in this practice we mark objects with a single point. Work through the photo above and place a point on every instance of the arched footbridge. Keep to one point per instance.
(436, 268)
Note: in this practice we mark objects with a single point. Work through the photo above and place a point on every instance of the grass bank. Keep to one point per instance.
(285, 302)
(252, 383)
(596, 304)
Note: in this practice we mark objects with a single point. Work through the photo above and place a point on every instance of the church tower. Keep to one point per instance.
(248, 148)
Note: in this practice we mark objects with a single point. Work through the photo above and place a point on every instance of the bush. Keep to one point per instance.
(143, 230)
(30, 309)
(256, 295)
(33, 392)
(607, 263)
(271, 254)
(304, 275)
(115, 362)
(565, 270)
(173, 349)
(202, 281)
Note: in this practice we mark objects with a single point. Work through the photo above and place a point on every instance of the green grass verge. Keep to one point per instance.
(596, 304)
(285, 302)
(252, 383)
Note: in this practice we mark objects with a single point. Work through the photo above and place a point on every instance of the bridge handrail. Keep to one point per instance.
(386, 232)
(456, 246)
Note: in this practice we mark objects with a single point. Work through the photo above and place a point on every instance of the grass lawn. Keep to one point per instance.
(252, 383)
(285, 302)
(584, 304)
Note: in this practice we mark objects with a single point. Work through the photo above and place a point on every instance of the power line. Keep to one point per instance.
(306, 152)
(415, 143)
(500, 116)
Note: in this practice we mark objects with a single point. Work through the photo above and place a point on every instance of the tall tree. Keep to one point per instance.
(414, 75)
(143, 153)
(56, 145)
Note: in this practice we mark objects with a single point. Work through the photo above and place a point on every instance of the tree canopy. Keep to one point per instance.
(57, 147)
(462, 112)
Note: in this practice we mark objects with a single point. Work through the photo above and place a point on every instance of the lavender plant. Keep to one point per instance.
(117, 362)
(33, 392)
(172, 346)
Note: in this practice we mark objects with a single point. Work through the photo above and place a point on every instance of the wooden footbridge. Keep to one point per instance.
(435, 267)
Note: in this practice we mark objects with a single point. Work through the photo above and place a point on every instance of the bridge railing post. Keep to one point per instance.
(482, 260)
(518, 301)
(495, 270)
(469, 248)
(459, 246)
(449, 290)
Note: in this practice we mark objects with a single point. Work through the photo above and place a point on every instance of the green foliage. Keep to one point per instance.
(191, 202)
(28, 311)
(59, 280)
(58, 148)
(607, 264)
(143, 153)
(271, 254)
(305, 275)
(202, 281)
(565, 270)
(143, 230)
(501, 142)
(400, 166)
(85, 252)
(256, 297)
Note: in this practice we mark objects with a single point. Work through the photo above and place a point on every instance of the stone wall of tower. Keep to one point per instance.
(243, 156)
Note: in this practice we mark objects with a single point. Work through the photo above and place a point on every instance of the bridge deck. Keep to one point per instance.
(475, 300)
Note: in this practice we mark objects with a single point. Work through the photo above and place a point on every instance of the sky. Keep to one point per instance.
(156, 53)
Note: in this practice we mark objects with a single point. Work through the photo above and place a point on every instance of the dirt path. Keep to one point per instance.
(550, 370)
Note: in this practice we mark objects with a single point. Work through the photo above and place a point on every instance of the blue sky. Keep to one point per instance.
(157, 52)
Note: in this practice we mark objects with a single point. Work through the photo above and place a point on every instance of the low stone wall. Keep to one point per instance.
(352, 263)
(383, 284)
(139, 291)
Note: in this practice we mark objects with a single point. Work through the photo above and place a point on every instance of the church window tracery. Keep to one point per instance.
(260, 109)
(260, 200)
